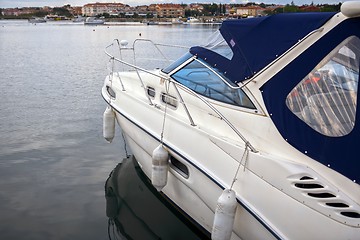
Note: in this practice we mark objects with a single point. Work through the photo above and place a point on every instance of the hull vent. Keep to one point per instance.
(306, 178)
(337, 204)
(308, 185)
(351, 214)
(314, 189)
(322, 195)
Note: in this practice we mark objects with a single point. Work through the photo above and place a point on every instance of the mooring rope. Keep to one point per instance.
(244, 156)
(167, 85)
(125, 148)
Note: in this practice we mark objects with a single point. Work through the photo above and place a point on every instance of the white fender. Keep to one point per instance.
(224, 216)
(351, 9)
(160, 165)
(109, 124)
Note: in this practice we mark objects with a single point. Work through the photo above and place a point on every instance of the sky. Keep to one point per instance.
(59, 3)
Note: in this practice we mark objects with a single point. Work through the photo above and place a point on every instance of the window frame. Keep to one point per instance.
(323, 99)
(223, 79)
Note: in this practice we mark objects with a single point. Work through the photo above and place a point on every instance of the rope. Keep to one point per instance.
(112, 76)
(126, 152)
(110, 224)
(167, 85)
(244, 156)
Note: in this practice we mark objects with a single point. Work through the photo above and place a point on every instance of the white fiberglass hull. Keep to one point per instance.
(269, 206)
(196, 200)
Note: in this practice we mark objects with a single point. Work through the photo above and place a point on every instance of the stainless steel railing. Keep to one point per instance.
(122, 46)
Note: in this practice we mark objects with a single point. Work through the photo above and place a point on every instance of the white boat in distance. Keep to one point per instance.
(36, 20)
(94, 21)
(177, 21)
(152, 23)
(79, 19)
(252, 136)
(192, 20)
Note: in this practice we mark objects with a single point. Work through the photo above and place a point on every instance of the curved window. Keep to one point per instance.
(326, 98)
(210, 83)
(177, 63)
(218, 44)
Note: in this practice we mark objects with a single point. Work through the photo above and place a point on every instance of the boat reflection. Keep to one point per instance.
(137, 211)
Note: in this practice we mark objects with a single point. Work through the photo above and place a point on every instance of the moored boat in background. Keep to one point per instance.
(94, 21)
(192, 20)
(177, 21)
(36, 20)
(79, 19)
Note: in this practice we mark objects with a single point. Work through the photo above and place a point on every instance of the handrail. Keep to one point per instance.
(183, 103)
(156, 46)
(136, 68)
(176, 84)
(222, 117)
(129, 64)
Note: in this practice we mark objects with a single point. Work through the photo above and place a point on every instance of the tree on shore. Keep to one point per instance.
(291, 8)
(61, 11)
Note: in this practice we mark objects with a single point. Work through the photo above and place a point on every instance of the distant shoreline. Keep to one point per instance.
(110, 21)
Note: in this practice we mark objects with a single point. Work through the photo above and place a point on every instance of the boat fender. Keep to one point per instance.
(109, 124)
(350, 9)
(224, 216)
(124, 43)
(160, 165)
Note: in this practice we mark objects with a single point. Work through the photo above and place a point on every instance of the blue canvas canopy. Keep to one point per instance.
(256, 42)
(336, 152)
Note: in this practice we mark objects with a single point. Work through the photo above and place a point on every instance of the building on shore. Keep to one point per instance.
(169, 10)
(116, 9)
(94, 9)
(250, 11)
(19, 11)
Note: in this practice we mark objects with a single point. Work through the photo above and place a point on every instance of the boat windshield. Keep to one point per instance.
(177, 63)
(218, 44)
(326, 98)
(209, 82)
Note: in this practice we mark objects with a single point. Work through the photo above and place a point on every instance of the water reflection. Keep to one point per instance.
(53, 158)
(137, 211)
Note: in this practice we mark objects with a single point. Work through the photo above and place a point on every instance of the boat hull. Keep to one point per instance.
(269, 206)
(187, 194)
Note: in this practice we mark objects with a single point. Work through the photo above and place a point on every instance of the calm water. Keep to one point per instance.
(53, 159)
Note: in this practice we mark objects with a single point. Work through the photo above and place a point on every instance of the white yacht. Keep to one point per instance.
(94, 21)
(79, 19)
(192, 20)
(252, 136)
(36, 20)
